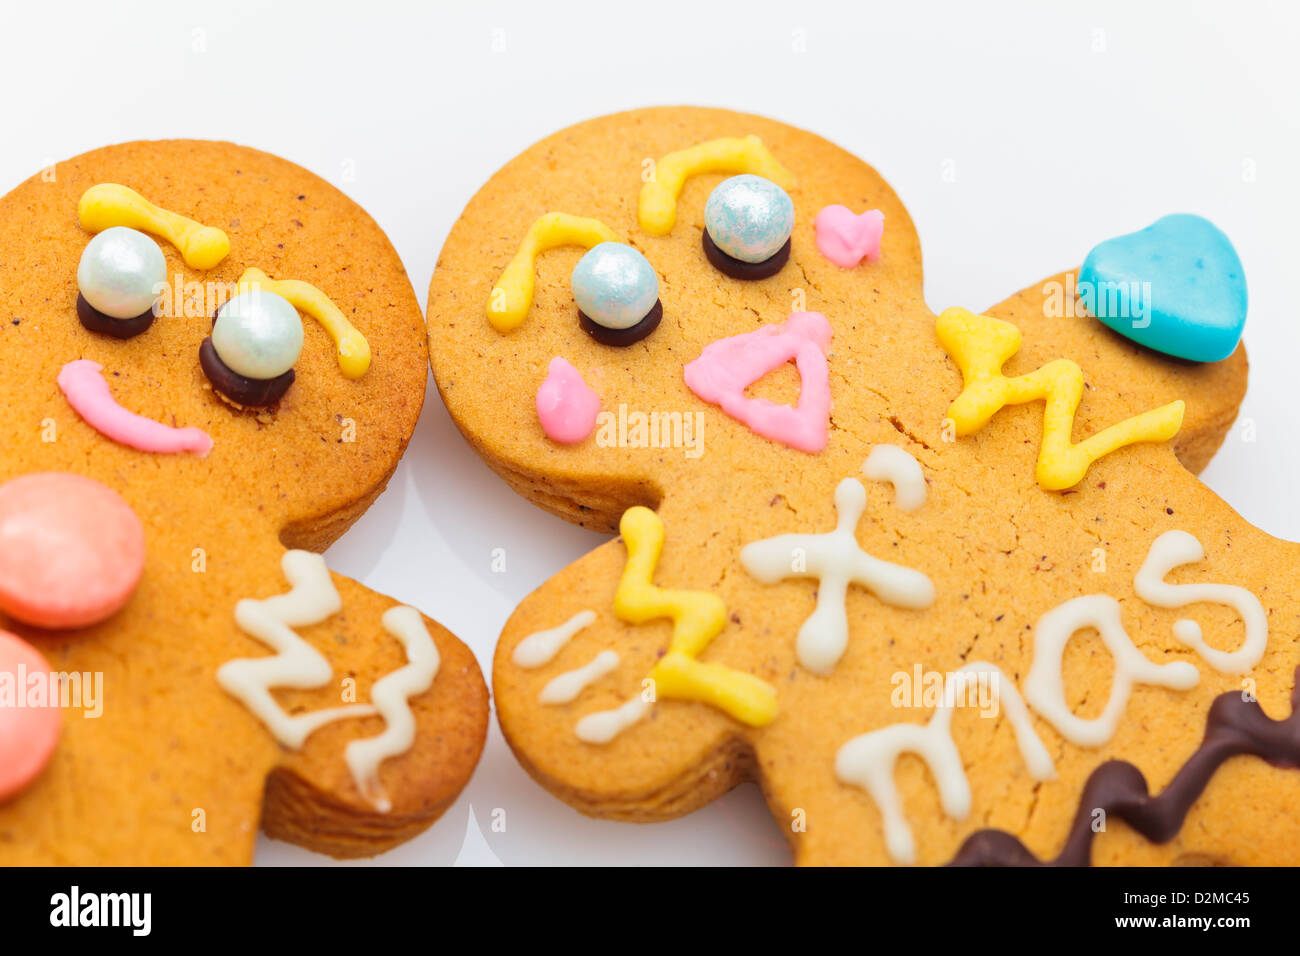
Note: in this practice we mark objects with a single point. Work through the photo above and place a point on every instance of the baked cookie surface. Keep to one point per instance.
(999, 550)
(176, 769)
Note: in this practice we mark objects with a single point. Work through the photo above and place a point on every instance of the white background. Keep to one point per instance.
(1061, 125)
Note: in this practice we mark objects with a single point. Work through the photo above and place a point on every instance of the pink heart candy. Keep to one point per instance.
(846, 238)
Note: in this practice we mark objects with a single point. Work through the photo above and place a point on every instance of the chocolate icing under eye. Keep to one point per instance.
(243, 391)
(736, 269)
(622, 337)
(1233, 727)
(97, 321)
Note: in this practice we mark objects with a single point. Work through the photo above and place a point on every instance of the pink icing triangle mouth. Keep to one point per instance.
(729, 366)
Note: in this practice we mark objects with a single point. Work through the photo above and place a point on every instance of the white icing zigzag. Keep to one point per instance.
(392, 694)
(311, 599)
(296, 663)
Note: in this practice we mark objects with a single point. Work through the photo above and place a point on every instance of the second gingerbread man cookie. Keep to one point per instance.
(945, 586)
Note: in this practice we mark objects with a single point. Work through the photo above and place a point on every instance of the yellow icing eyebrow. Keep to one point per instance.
(980, 345)
(108, 204)
(353, 349)
(657, 204)
(512, 296)
(698, 617)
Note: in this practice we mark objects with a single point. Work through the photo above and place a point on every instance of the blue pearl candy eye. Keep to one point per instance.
(749, 218)
(120, 271)
(614, 285)
(258, 334)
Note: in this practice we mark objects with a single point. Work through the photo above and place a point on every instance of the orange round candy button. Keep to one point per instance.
(71, 550)
(29, 724)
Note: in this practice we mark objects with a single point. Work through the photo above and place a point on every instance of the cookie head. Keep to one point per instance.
(573, 229)
(287, 299)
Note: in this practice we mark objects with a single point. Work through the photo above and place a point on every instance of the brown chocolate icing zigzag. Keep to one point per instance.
(1233, 727)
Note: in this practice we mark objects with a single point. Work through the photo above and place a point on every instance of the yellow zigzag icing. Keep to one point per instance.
(981, 346)
(698, 617)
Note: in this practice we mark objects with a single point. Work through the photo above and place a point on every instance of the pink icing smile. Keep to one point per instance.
(566, 407)
(728, 366)
(846, 239)
(88, 394)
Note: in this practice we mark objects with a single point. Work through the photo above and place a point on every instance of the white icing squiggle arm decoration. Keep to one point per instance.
(1045, 685)
(538, 649)
(391, 695)
(604, 725)
(868, 761)
(897, 466)
(567, 686)
(836, 560)
(1173, 549)
(311, 599)
(296, 663)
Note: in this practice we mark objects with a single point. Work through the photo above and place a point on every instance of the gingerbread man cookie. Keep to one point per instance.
(212, 362)
(944, 585)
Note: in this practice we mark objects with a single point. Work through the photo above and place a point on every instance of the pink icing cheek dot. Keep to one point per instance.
(566, 406)
(29, 727)
(71, 550)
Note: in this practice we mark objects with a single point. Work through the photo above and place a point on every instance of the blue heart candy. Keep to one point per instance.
(1176, 286)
